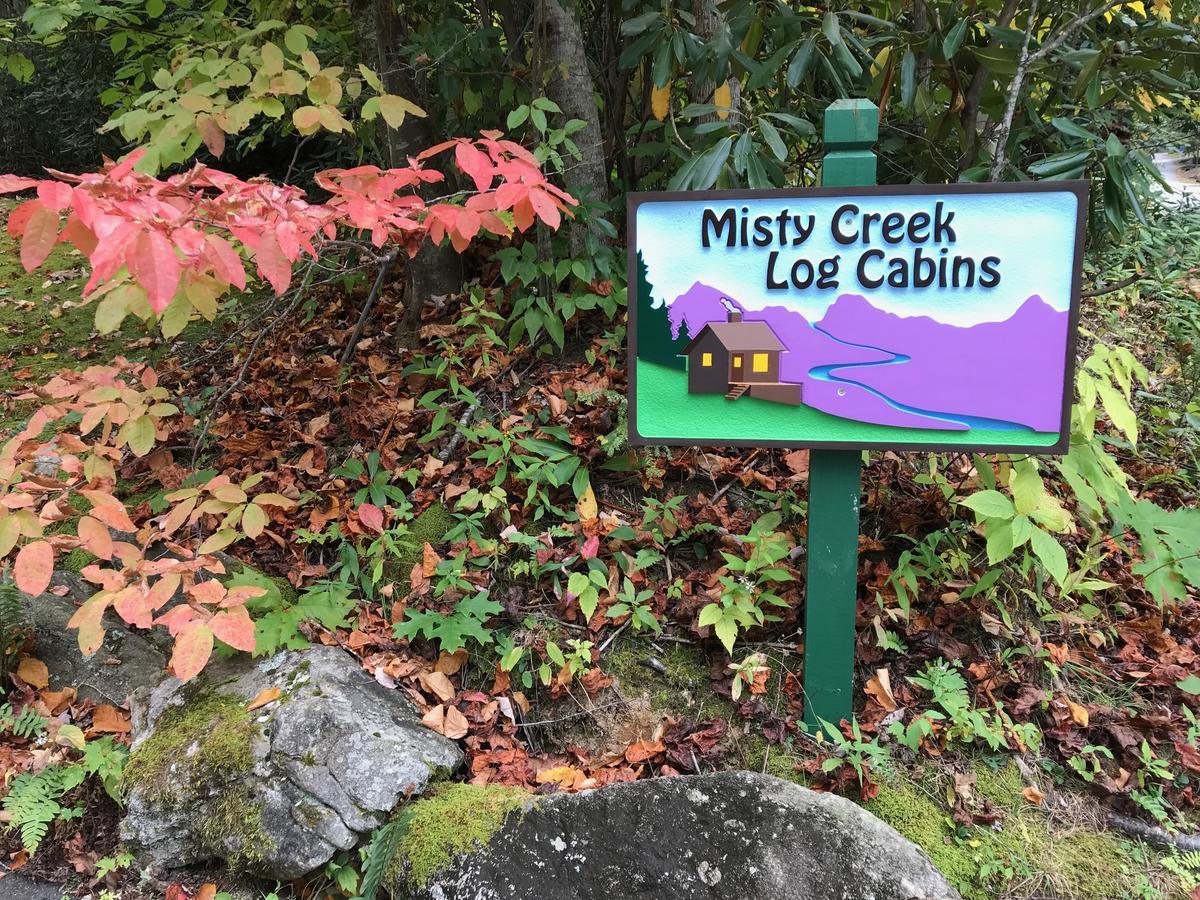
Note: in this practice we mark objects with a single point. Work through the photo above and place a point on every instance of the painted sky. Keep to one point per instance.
(1033, 235)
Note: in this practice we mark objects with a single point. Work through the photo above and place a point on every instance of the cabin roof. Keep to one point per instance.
(741, 336)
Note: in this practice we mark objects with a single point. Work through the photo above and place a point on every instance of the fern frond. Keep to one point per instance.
(33, 801)
(12, 627)
(384, 843)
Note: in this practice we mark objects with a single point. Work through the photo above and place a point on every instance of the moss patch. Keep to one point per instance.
(926, 824)
(1026, 849)
(455, 820)
(430, 527)
(207, 739)
(231, 827)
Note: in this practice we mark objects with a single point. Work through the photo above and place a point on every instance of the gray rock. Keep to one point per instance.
(730, 836)
(15, 886)
(126, 662)
(278, 790)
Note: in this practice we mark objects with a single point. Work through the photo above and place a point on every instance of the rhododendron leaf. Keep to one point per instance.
(41, 234)
(96, 538)
(34, 566)
(193, 647)
(235, 627)
(88, 620)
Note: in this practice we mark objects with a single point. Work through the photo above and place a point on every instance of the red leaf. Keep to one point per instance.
(272, 264)
(193, 647)
(226, 263)
(545, 208)
(156, 267)
(89, 620)
(371, 516)
(109, 510)
(476, 164)
(55, 195)
(95, 537)
(41, 234)
(590, 547)
(235, 627)
(211, 134)
(12, 183)
(34, 566)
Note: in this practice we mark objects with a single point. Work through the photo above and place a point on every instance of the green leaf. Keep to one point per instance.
(990, 504)
(1027, 487)
(1000, 542)
(726, 630)
(908, 78)
(954, 38)
(798, 67)
(1069, 128)
(1050, 552)
(774, 141)
(1189, 685)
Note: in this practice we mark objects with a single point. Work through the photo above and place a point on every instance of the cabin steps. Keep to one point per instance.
(736, 391)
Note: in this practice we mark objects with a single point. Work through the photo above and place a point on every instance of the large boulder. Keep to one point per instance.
(730, 836)
(126, 661)
(322, 757)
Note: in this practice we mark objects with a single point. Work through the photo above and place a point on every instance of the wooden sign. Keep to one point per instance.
(909, 317)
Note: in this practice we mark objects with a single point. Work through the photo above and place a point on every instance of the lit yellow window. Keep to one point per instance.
(737, 361)
(706, 359)
(760, 362)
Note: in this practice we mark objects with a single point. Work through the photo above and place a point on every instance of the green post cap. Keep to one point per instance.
(851, 124)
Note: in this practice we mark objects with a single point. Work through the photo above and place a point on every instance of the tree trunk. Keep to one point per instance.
(435, 270)
(569, 84)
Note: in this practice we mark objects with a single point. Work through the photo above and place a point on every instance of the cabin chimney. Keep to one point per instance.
(735, 316)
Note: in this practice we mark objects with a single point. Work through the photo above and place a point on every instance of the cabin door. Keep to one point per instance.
(736, 369)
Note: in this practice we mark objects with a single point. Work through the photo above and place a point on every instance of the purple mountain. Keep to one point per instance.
(861, 363)
(1010, 370)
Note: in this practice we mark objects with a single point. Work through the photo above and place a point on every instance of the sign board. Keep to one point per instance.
(909, 317)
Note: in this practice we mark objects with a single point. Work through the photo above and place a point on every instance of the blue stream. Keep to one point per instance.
(826, 373)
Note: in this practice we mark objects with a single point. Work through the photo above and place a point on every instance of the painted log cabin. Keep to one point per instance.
(735, 357)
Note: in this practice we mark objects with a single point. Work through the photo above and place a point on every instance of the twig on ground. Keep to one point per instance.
(1154, 834)
(1110, 288)
(385, 269)
(241, 376)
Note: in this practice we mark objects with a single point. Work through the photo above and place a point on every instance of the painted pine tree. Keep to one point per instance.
(654, 341)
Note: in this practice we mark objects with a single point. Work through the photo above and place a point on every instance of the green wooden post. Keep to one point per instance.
(835, 477)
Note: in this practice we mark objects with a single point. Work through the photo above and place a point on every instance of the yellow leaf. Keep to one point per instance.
(33, 672)
(394, 107)
(1078, 713)
(586, 507)
(880, 62)
(1162, 9)
(70, 736)
(723, 100)
(265, 696)
(660, 97)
